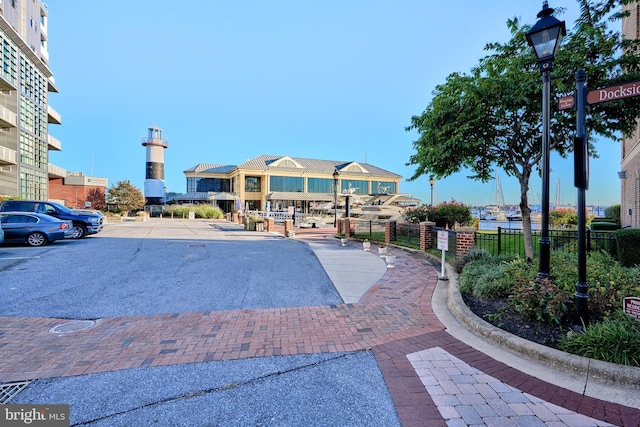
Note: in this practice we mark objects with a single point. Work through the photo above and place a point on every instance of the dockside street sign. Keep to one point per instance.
(604, 94)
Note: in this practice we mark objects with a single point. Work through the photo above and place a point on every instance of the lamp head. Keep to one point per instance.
(545, 37)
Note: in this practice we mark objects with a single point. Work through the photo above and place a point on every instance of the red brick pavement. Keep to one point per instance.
(393, 319)
(391, 311)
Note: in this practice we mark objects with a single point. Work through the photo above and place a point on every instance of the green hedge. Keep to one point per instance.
(628, 242)
(200, 211)
(602, 225)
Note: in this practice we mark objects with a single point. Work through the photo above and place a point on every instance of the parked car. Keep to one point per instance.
(33, 229)
(84, 223)
(1, 234)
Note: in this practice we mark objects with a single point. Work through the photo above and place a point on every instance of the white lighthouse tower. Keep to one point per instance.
(154, 189)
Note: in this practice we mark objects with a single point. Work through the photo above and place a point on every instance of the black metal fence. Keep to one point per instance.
(512, 241)
(368, 227)
(408, 233)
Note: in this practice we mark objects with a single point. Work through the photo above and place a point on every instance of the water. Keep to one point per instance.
(506, 225)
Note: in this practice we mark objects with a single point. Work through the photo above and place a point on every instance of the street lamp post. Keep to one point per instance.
(335, 175)
(431, 182)
(545, 38)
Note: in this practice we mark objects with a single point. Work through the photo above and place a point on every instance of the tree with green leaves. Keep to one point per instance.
(492, 117)
(125, 197)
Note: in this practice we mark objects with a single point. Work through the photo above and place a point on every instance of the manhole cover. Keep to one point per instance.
(74, 326)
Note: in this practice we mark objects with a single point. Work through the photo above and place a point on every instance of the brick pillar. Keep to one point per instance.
(271, 224)
(288, 228)
(235, 218)
(346, 227)
(465, 240)
(390, 231)
(426, 235)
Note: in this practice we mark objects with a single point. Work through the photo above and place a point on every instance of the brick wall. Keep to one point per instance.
(74, 196)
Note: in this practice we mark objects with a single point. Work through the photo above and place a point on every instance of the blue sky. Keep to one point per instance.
(228, 81)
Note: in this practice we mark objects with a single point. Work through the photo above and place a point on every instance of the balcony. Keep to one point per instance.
(51, 85)
(56, 171)
(54, 143)
(53, 116)
(8, 118)
(5, 84)
(8, 156)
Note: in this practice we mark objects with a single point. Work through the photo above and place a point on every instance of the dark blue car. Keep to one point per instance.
(32, 228)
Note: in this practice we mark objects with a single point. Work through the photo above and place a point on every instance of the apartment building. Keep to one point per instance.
(629, 173)
(25, 113)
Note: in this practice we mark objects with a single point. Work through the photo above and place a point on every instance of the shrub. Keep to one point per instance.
(417, 214)
(615, 340)
(563, 218)
(200, 211)
(613, 212)
(604, 225)
(472, 255)
(628, 241)
(541, 300)
(451, 214)
(484, 276)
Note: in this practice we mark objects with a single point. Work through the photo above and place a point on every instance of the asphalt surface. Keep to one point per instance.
(131, 270)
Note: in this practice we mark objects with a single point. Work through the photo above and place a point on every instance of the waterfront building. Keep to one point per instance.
(25, 112)
(277, 183)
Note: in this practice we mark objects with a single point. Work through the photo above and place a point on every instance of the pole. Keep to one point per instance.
(545, 243)
(335, 204)
(431, 194)
(582, 183)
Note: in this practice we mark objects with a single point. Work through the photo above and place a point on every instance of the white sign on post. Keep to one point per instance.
(443, 244)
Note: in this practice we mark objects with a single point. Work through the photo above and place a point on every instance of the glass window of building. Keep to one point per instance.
(361, 187)
(252, 184)
(293, 184)
(216, 185)
(319, 185)
(385, 187)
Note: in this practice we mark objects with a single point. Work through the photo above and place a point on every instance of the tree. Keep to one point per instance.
(125, 197)
(492, 117)
(97, 198)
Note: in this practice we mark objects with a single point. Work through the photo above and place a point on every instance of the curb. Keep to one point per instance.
(612, 373)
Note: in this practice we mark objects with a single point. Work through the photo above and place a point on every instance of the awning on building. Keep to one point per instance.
(313, 197)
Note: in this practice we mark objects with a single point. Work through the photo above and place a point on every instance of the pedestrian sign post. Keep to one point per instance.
(443, 244)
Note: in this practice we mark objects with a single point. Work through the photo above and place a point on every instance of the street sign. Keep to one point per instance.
(443, 240)
(604, 94)
(566, 102)
(632, 306)
(611, 93)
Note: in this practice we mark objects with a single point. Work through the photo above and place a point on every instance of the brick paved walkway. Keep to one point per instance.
(394, 319)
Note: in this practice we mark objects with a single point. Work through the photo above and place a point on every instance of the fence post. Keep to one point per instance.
(390, 231)
(499, 240)
(466, 240)
(426, 236)
(346, 225)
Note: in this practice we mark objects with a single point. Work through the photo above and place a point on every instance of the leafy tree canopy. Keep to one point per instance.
(492, 116)
(125, 197)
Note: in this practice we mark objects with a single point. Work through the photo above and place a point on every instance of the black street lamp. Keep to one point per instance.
(335, 175)
(545, 38)
(431, 182)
